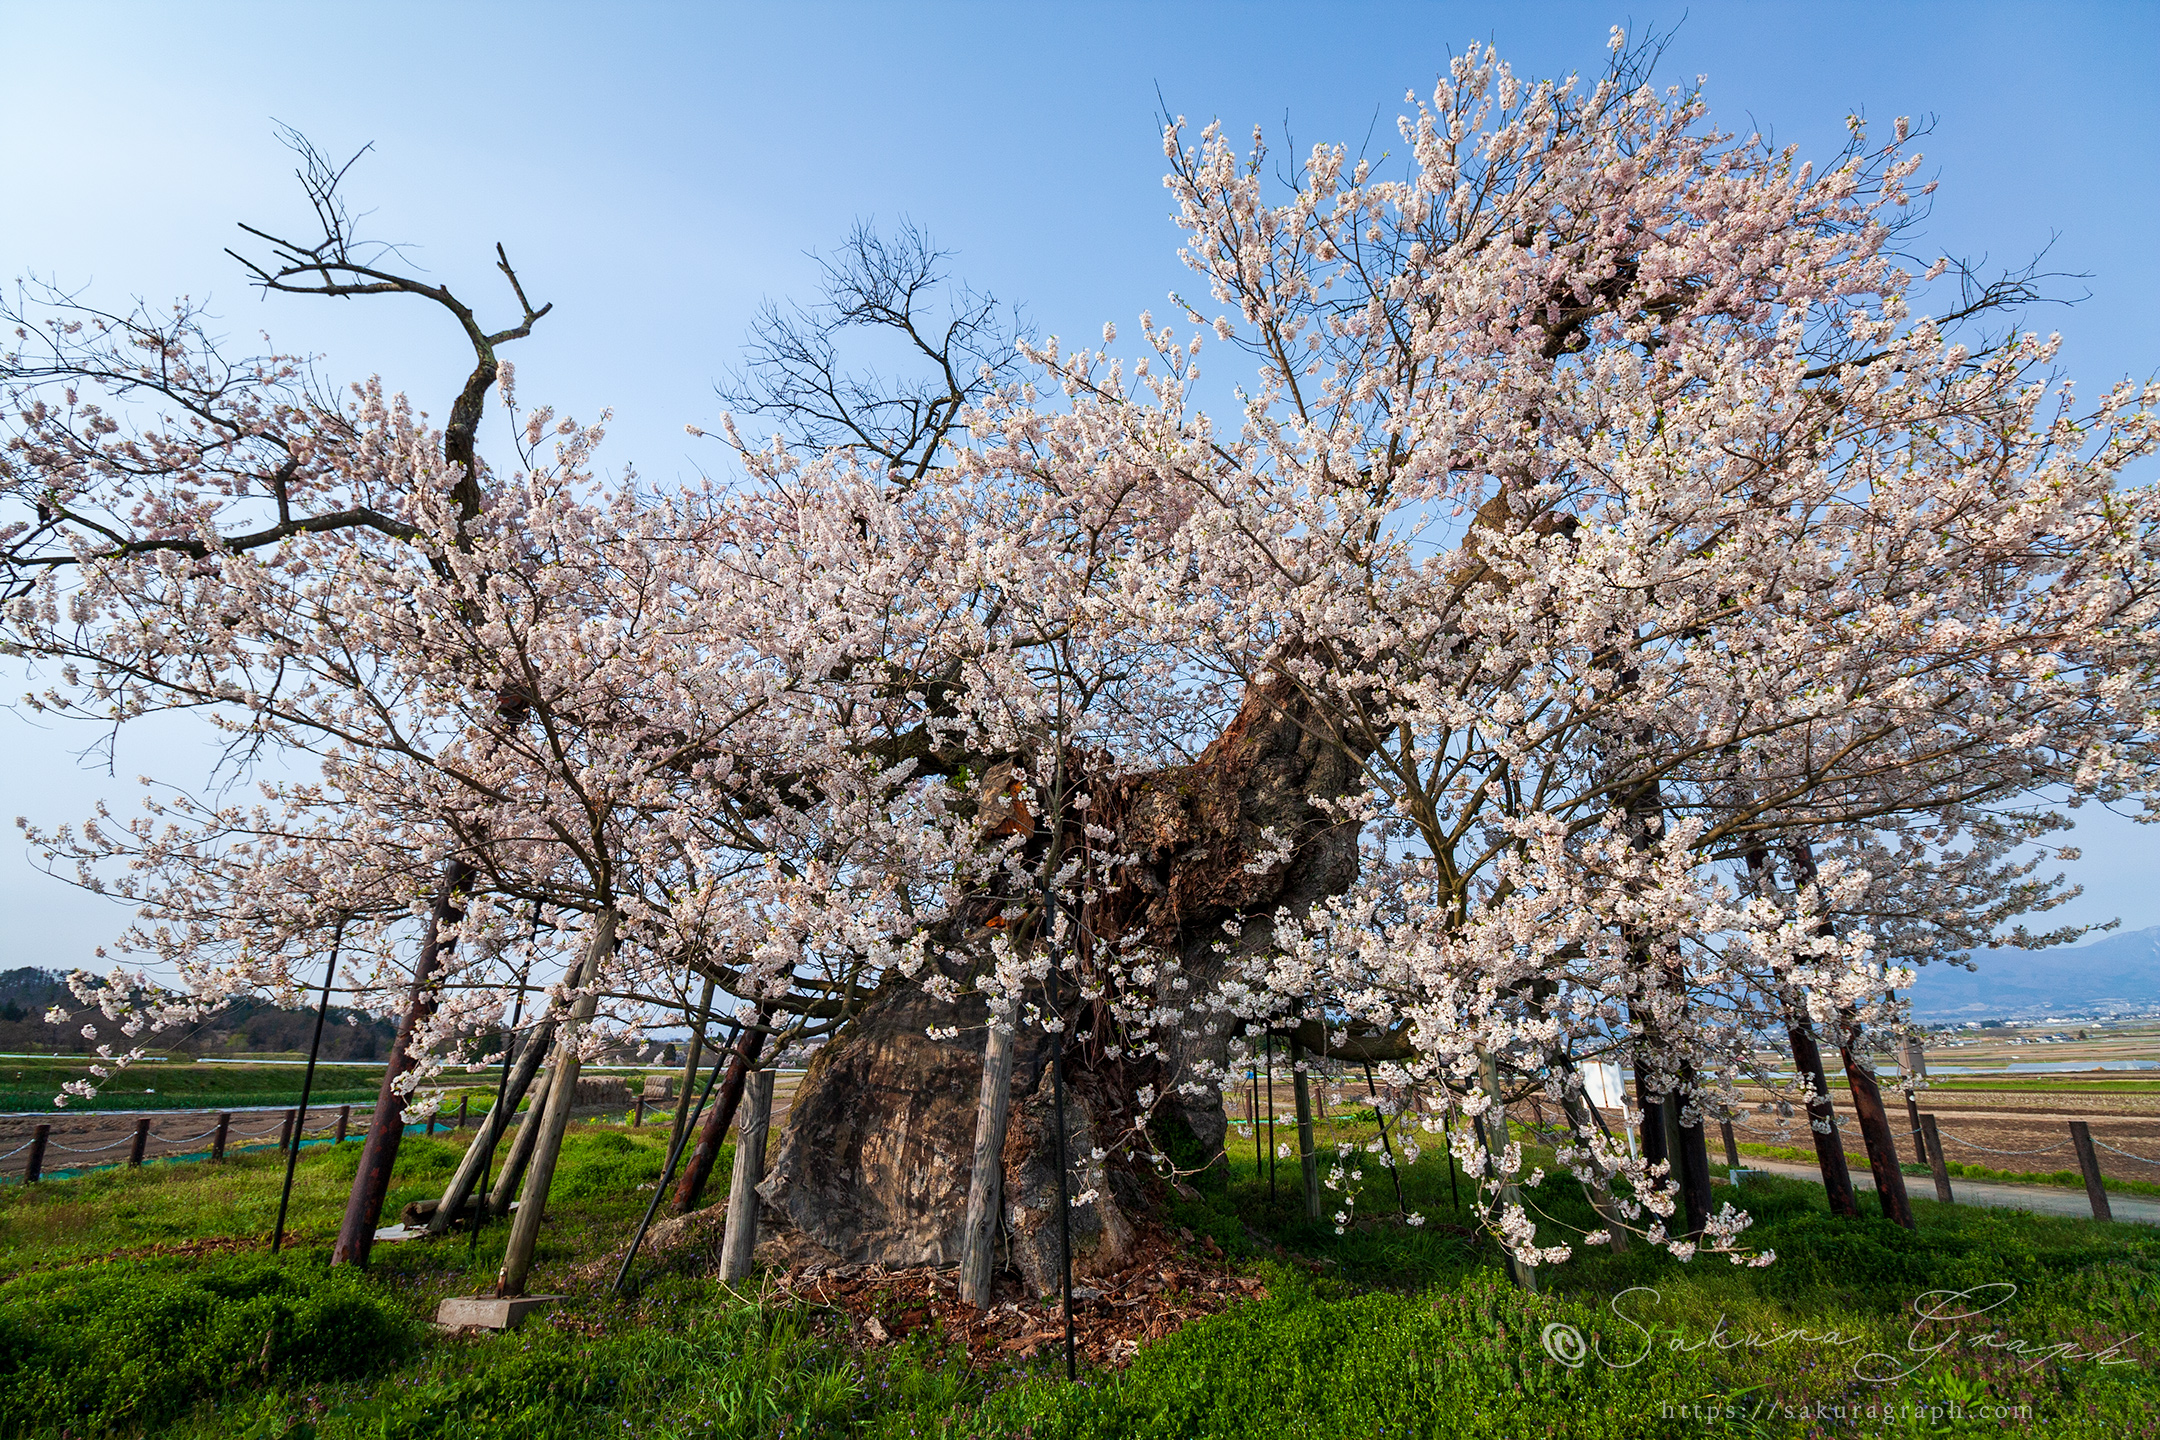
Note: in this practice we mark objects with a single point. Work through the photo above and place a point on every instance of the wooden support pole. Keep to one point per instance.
(993, 1104)
(1921, 1147)
(562, 1095)
(344, 1120)
(1936, 1162)
(739, 1241)
(285, 1133)
(2089, 1162)
(464, 1103)
(637, 1115)
(521, 1145)
(142, 1138)
(1732, 1147)
(36, 1168)
(470, 1177)
(224, 1127)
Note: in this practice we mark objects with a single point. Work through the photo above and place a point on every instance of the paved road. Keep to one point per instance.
(2040, 1199)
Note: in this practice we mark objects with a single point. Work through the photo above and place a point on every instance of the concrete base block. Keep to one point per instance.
(490, 1312)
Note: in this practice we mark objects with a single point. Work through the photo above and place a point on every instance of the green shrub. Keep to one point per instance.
(107, 1348)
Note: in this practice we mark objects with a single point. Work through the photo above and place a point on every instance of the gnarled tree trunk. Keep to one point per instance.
(876, 1160)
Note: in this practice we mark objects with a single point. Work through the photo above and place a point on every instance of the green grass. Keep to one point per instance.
(1382, 1331)
(30, 1085)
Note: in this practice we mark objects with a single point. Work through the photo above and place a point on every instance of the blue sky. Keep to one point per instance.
(657, 170)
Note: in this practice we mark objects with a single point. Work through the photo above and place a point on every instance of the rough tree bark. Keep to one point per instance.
(386, 1127)
(874, 1163)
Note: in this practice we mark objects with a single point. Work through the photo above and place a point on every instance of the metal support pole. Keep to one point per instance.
(1385, 1144)
(686, 1124)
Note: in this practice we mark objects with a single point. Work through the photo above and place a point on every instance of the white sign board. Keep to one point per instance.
(1603, 1083)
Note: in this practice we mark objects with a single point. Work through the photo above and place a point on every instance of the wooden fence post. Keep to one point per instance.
(344, 1118)
(36, 1167)
(464, 1103)
(637, 1117)
(142, 1138)
(1732, 1148)
(224, 1125)
(1936, 1161)
(2089, 1162)
(285, 1138)
(739, 1239)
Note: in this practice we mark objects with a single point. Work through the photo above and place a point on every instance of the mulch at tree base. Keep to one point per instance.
(1164, 1286)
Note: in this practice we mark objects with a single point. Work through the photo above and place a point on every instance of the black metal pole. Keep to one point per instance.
(1447, 1148)
(307, 1086)
(1259, 1146)
(1393, 1169)
(682, 1138)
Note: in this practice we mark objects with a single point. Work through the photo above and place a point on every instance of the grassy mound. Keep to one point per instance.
(107, 1347)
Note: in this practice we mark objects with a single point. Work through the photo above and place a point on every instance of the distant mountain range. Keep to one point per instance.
(2115, 972)
(244, 1027)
